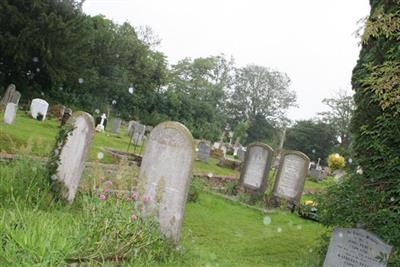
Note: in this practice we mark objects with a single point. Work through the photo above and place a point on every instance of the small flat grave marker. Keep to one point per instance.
(291, 176)
(165, 175)
(256, 167)
(351, 247)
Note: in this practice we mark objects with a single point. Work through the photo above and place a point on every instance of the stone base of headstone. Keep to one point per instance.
(99, 128)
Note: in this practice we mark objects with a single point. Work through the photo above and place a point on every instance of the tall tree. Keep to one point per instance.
(339, 116)
(257, 90)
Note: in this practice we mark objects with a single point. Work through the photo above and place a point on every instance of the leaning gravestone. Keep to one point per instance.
(39, 106)
(72, 154)
(11, 96)
(203, 151)
(138, 133)
(291, 176)
(256, 167)
(10, 113)
(350, 247)
(116, 125)
(165, 175)
(130, 127)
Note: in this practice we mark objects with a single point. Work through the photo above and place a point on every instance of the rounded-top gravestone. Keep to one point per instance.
(72, 155)
(291, 176)
(165, 175)
(39, 108)
(10, 113)
(203, 151)
(256, 167)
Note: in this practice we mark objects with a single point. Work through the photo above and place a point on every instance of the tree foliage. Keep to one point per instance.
(316, 139)
(372, 199)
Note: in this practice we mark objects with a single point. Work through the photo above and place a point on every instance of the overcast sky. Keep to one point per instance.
(312, 41)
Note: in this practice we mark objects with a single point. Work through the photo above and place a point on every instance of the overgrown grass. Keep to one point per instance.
(212, 167)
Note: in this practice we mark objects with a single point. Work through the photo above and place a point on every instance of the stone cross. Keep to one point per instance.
(39, 106)
(291, 176)
(256, 167)
(10, 113)
(165, 175)
(357, 248)
(72, 155)
(100, 126)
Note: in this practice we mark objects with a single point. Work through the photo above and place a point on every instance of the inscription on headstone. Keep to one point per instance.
(350, 247)
(290, 179)
(73, 154)
(165, 175)
(203, 151)
(39, 107)
(10, 113)
(256, 166)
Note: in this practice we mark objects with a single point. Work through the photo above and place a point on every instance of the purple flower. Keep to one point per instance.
(135, 195)
(146, 199)
(109, 183)
(103, 197)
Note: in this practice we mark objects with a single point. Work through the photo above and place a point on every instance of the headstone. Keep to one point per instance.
(101, 126)
(291, 176)
(148, 129)
(351, 247)
(203, 151)
(116, 125)
(11, 96)
(130, 127)
(57, 111)
(241, 153)
(256, 167)
(165, 175)
(73, 154)
(10, 113)
(138, 133)
(39, 107)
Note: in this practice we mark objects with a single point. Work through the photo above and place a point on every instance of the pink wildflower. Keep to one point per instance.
(135, 195)
(134, 217)
(146, 199)
(102, 178)
(109, 183)
(103, 197)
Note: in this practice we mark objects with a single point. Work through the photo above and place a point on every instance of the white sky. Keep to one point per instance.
(312, 41)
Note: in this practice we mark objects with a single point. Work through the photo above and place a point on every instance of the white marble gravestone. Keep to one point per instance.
(39, 106)
(351, 247)
(291, 176)
(165, 175)
(73, 154)
(256, 166)
(10, 113)
(203, 151)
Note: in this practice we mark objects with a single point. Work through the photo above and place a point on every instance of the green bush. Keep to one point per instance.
(336, 162)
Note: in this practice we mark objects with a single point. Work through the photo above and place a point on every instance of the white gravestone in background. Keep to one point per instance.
(100, 126)
(39, 106)
(10, 113)
(256, 166)
(351, 247)
(289, 182)
(74, 153)
(165, 175)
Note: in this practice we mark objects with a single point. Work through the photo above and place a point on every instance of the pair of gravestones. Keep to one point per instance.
(9, 103)
(165, 172)
(290, 179)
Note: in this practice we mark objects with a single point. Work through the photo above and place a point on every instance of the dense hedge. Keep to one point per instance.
(371, 199)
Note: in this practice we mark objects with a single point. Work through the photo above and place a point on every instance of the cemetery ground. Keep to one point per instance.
(216, 231)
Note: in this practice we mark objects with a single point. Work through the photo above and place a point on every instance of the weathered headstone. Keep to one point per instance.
(39, 107)
(10, 113)
(116, 125)
(291, 176)
(351, 247)
(165, 175)
(11, 96)
(73, 154)
(256, 167)
(138, 133)
(241, 153)
(66, 115)
(203, 151)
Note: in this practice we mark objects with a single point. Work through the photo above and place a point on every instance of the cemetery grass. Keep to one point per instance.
(216, 232)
